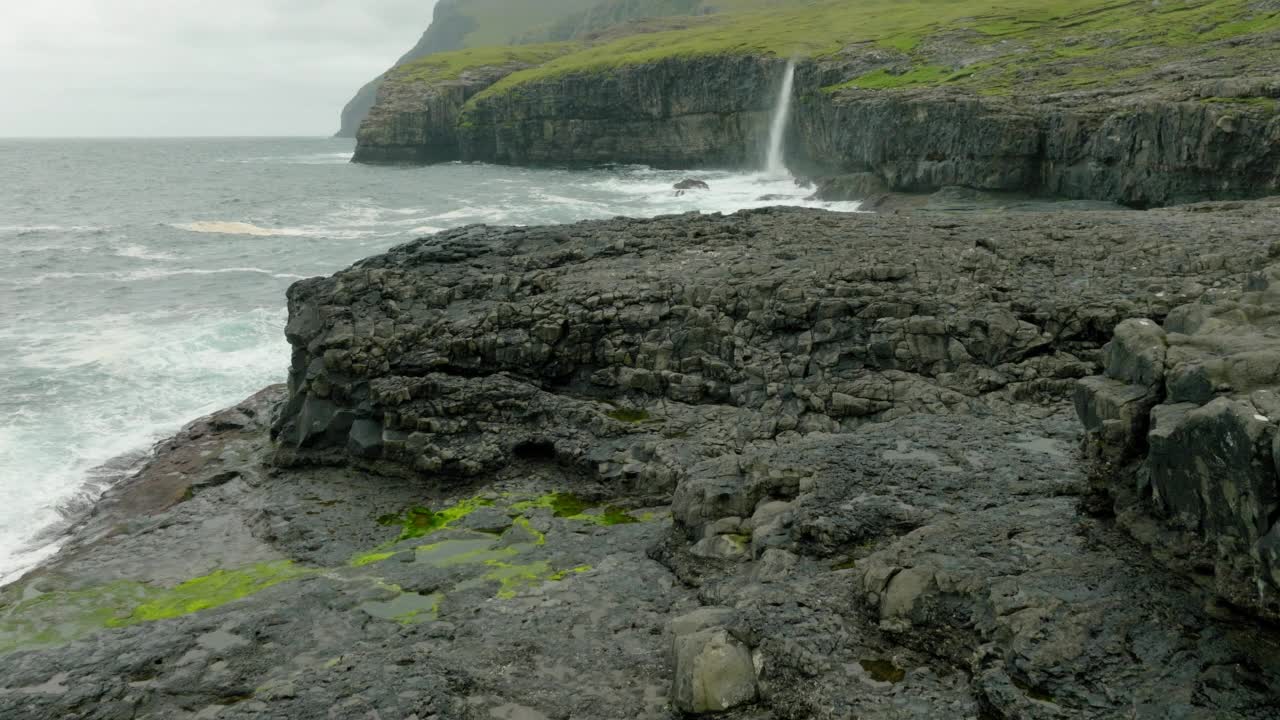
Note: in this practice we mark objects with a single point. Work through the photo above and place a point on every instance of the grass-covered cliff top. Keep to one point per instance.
(504, 22)
(451, 65)
(1015, 46)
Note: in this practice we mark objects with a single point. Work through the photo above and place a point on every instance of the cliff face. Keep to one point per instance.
(1156, 149)
(670, 113)
(689, 113)
(446, 32)
(1142, 105)
(417, 123)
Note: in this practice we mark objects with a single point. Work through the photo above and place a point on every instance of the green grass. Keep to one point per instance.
(1085, 36)
(883, 79)
(498, 22)
(1041, 45)
(449, 66)
(1261, 103)
(415, 522)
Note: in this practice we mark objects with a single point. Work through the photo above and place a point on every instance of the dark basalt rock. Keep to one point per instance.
(1183, 427)
(857, 186)
(691, 184)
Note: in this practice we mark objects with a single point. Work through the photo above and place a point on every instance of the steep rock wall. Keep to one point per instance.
(671, 113)
(1143, 152)
(419, 123)
(1156, 149)
(446, 32)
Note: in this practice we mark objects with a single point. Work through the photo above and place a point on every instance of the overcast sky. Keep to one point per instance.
(193, 67)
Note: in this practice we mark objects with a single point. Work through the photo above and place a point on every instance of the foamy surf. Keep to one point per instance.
(124, 382)
(238, 228)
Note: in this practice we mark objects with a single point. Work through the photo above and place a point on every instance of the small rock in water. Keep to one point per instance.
(691, 184)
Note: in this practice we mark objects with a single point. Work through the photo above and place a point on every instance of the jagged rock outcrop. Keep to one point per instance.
(419, 123)
(1182, 427)
(851, 324)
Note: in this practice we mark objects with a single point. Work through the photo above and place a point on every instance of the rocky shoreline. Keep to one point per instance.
(779, 464)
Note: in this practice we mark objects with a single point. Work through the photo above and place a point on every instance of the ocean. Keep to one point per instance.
(142, 282)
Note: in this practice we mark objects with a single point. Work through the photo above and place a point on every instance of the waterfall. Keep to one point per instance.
(778, 129)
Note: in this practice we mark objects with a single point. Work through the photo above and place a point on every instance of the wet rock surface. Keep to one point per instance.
(778, 464)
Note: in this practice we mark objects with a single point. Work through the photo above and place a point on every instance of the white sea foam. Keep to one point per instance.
(338, 158)
(21, 230)
(149, 375)
(238, 228)
(139, 252)
(151, 274)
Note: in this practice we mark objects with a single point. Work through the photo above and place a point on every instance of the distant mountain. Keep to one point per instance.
(461, 24)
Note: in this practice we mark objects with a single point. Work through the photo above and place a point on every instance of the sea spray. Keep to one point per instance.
(775, 164)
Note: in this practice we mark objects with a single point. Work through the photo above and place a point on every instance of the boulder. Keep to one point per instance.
(855, 186)
(712, 670)
(691, 184)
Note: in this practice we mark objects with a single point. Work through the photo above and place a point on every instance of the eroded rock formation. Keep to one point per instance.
(1183, 425)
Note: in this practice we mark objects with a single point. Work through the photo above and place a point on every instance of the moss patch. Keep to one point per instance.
(883, 79)
(58, 617)
(883, 671)
(1261, 103)
(416, 522)
(512, 578)
(572, 507)
(629, 415)
(210, 591)
(441, 67)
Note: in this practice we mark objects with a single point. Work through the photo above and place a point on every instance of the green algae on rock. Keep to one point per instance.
(571, 507)
(883, 670)
(629, 415)
(212, 590)
(407, 608)
(419, 521)
(61, 616)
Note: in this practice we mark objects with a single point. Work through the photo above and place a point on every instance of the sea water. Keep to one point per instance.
(142, 281)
